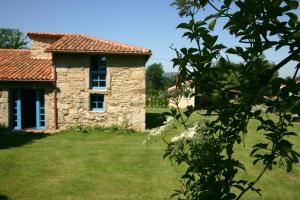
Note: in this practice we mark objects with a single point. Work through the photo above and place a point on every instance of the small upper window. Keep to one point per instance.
(98, 72)
(97, 102)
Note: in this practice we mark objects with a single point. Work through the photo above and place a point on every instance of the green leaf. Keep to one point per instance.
(173, 112)
(240, 165)
(289, 166)
(177, 116)
(185, 26)
(231, 51)
(290, 134)
(261, 146)
(285, 146)
(227, 2)
(166, 114)
(184, 51)
(293, 4)
(209, 17)
(256, 160)
(293, 16)
(297, 34)
(257, 113)
(253, 151)
(212, 24)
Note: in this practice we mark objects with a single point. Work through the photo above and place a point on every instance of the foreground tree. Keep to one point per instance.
(208, 148)
(12, 39)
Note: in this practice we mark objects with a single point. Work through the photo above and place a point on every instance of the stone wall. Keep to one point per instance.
(38, 46)
(4, 100)
(49, 109)
(4, 120)
(124, 95)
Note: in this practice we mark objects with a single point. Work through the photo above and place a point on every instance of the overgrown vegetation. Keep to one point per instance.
(208, 149)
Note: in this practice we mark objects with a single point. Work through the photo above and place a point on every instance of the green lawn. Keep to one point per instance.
(101, 165)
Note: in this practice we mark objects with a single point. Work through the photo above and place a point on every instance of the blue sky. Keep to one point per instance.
(151, 24)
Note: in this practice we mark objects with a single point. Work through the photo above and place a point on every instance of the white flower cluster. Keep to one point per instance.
(153, 133)
(187, 135)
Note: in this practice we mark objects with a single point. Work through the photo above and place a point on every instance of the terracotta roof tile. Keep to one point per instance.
(45, 34)
(18, 65)
(85, 44)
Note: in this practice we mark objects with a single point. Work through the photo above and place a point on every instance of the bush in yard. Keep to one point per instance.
(208, 148)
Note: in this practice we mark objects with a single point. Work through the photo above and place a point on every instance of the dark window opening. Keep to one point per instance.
(28, 107)
(97, 102)
(98, 72)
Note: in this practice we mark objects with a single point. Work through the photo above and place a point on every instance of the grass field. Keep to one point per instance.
(103, 165)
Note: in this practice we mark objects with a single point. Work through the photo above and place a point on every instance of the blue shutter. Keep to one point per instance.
(19, 113)
(40, 111)
(16, 110)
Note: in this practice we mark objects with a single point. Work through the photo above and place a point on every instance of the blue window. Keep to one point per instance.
(98, 72)
(97, 102)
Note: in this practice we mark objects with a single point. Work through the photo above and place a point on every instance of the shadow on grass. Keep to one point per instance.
(154, 120)
(15, 139)
(4, 197)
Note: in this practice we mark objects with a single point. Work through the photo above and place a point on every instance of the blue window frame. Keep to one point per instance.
(98, 72)
(17, 117)
(97, 102)
(40, 109)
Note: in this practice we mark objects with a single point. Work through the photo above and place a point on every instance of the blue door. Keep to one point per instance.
(16, 110)
(40, 109)
(21, 102)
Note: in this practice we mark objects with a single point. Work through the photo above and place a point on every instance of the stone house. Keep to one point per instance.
(185, 92)
(185, 97)
(66, 80)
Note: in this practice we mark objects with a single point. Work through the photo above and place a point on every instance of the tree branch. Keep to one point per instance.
(253, 183)
(285, 61)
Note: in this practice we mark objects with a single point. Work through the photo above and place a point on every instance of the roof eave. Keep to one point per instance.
(25, 80)
(100, 52)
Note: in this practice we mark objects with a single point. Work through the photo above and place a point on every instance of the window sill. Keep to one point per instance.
(98, 91)
(97, 111)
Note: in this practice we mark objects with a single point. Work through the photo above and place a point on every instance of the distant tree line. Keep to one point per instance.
(156, 81)
(157, 84)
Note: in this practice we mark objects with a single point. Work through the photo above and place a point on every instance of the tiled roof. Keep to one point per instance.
(46, 34)
(18, 65)
(85, 44)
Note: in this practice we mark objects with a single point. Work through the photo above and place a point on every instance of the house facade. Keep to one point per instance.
(185, 92)
(66, 80)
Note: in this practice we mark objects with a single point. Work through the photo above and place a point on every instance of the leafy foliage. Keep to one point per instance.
(154, 77)
(212, 165)
(157, 82)
(12, 39)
